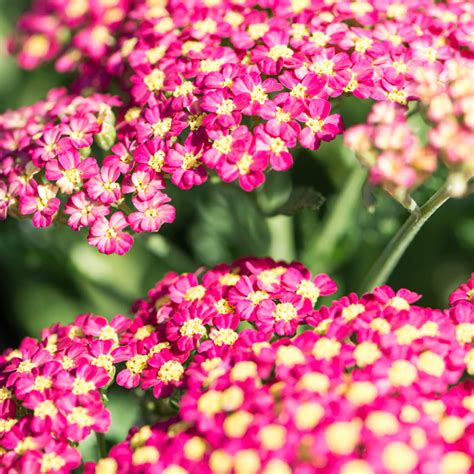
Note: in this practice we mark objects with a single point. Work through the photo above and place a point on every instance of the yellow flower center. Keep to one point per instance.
(256, 297)
(191, 161)
(285, 312)
(81, 386)
(258, 94)
(155, 80)
(170, 371)
(192, 327)
(226, 107)
(137, 364)
(162, 127)
(52, 462)
(195, 293)
(157, 160)
(224, 336)
(80, 416)
(244, 164)
(280, 51)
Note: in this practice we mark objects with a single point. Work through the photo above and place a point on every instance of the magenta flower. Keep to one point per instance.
(104, 187)
(184, 163)
(43, 204)
(107, 235)
(80, 131)
(69, 171)
(152, 213)
(319, 124)
(83, 211)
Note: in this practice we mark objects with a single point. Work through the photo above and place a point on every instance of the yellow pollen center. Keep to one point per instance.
(280, 51)
(224, 336)
(155, 80)
(285, 312)
(52, 462)
(44, 409)
(307, 289)
(162, 127)
(226, 107)
(170, 371)
(244, 164)
(191, 161)
(195, 293)
(315, 124)
(257, 297)
(42, 383)
(25, 366)
(352, 311)
(80, 416)
(137, 364)
(282, 116)
(223, 145)
(157, 160)
(81, 386)
(277, 146)
(258, 95)
(192, 327)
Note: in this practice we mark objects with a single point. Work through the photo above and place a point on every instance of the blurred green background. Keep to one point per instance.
(52, 275)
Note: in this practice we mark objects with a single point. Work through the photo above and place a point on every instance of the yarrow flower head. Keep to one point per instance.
(230, 88)
(371, 382)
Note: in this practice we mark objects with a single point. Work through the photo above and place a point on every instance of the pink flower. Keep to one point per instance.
(185, 164)
(49, 146)
(83, 211)
(225, 111)
(254, 91)
(165, 374)
(152, 213)
(104, 187)
(80, 131)
(282, 317)
(43, 204)
(107, 235)
(143, 183)
(319, 124)
(281, 115)
(69, 170)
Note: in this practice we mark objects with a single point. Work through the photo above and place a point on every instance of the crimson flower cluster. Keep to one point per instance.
(235, 86)
(45, 163)
(263, 382)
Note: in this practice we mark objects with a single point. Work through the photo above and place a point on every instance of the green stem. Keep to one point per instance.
(282, 245)
(385, 264)
(337, 221)
(101, 445)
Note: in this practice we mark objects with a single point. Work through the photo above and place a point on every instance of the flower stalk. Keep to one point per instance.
(385, 264)
(101, 444)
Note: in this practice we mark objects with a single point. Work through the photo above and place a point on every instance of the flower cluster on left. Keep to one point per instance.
(45, 161)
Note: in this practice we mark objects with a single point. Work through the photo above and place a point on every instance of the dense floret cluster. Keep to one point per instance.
(251, 378)
(389, 146)
(232, 88)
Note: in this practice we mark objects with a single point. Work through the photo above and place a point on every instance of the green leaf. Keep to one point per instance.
(229, 225)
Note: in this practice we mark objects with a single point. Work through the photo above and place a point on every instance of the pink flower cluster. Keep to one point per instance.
(235, 86)
(389, 146)
(262, 381)
(45, 162)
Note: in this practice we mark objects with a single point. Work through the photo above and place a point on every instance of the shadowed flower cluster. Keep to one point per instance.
(253, 378)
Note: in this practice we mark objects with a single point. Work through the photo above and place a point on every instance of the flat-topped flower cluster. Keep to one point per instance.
(233, 88)
(260, 380)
